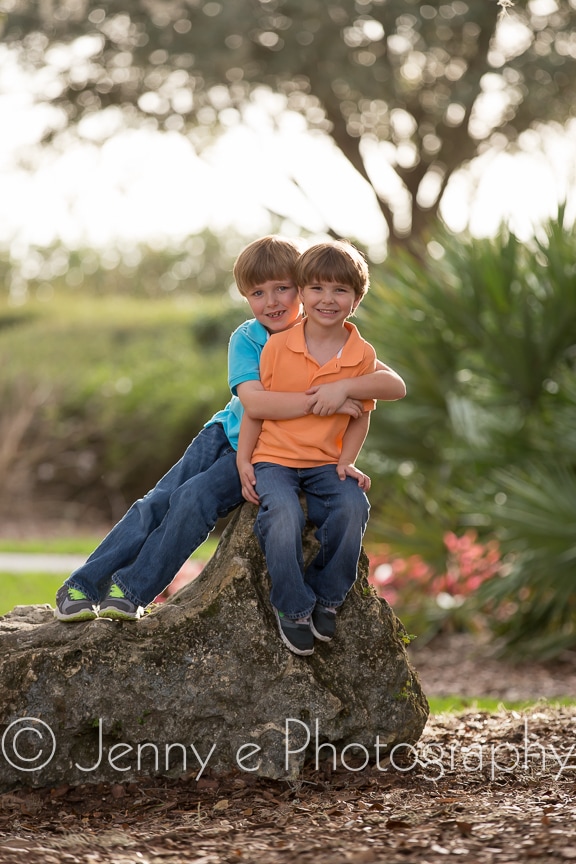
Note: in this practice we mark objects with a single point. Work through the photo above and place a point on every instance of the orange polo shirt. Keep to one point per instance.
(286, 366)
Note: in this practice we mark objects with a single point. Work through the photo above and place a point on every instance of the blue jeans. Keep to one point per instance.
(339, 510)
(145, 550)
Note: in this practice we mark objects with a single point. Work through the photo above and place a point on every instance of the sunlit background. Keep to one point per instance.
(141, 185)
(103, 184)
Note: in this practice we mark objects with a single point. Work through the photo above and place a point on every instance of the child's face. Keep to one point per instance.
(328, 303)
(275, 304)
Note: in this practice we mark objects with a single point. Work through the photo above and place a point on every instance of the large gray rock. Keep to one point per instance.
(203, 683)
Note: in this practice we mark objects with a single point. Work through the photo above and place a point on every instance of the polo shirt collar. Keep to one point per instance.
(258, 332)
(352, 352)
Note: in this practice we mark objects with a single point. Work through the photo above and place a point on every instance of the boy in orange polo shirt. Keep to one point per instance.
(314, 454)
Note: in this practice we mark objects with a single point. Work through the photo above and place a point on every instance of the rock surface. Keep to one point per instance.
(203, 684)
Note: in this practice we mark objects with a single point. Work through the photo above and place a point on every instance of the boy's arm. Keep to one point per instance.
(263, 404)
(249, 432)
(383, 384)
(352, 442)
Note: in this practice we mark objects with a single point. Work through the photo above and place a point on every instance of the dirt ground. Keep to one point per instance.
(457, 664)
(483, 787)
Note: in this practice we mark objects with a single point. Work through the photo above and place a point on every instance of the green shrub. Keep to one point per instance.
(484, 333)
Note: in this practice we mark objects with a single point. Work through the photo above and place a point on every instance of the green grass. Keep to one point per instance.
(459, 704)
(52, 545)
(81, 546)
(24, 589)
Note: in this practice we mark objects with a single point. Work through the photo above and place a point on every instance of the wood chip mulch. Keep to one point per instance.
(482, 787)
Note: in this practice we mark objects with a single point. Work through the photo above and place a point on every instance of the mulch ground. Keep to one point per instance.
(458, 665)
(483, 787)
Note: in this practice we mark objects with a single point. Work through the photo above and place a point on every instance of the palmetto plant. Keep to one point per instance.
(484, 333)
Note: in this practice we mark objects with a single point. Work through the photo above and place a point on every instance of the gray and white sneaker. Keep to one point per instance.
(323, 623)
(73, 605)
(118, 607)
(296, 635)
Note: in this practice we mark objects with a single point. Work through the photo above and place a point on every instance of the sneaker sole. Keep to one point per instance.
(299, 651)
(84, 615)
(119, 615)
(319, 635)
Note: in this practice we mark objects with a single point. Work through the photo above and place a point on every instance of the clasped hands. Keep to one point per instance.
(327, 399)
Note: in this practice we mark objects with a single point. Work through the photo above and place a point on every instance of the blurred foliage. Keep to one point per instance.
(485, 336)
(430, 602)
(196, 266)
(409, 92)
(100, 392)
(112, 360)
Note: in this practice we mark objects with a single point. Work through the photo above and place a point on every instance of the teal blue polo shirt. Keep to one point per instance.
(244, 350)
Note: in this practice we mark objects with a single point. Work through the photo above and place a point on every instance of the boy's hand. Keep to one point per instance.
(352, 407)
(248, 480)
(344, 471)
(328, 399)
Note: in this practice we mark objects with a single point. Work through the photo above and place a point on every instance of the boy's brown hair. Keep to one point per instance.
(334, 261)
(269, 258)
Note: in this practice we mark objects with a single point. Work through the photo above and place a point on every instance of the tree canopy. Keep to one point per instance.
(408, 91)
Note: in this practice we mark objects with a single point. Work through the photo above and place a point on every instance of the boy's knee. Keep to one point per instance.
(354, 504)
(282, 516)
(186, 504)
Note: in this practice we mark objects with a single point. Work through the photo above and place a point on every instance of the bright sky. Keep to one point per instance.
(143, 185)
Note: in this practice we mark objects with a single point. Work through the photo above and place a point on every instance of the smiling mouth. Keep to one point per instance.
(276, 314)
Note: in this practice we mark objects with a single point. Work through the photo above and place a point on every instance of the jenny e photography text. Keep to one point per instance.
(28, 744)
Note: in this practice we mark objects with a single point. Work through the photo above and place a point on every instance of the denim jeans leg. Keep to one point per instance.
(123, 543)
(339, 509)
(279, 527)
(195, 507)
